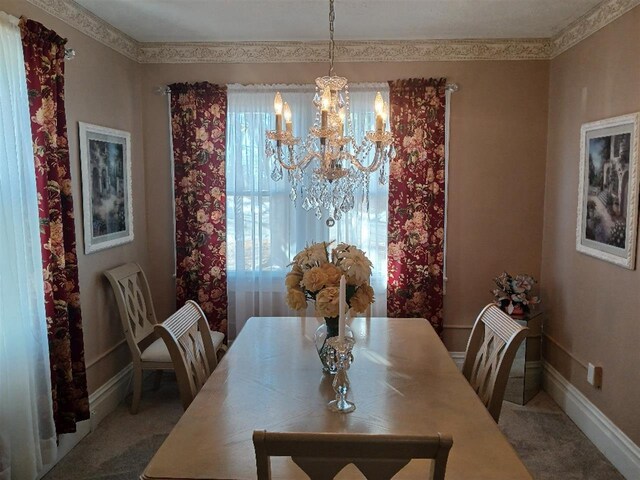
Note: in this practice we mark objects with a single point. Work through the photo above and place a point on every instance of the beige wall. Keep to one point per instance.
(498, 139)
(593, 305)
(102, 87)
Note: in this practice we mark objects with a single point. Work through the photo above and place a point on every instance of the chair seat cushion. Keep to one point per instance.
(157, 351)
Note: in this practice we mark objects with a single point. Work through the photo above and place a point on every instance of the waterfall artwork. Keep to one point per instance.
(608, 203)
(106, 186)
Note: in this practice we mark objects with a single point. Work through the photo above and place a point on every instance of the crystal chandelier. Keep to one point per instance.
(343, 167)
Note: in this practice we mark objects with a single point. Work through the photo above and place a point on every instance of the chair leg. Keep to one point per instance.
(137, 389)
(221, 351)
(157, 379)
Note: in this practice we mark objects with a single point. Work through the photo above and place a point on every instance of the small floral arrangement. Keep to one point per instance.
(315, 275)
(512, 293)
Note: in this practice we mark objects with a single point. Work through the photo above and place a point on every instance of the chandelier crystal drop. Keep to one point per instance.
(342, 167)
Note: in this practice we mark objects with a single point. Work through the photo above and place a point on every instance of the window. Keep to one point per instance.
(264, 229)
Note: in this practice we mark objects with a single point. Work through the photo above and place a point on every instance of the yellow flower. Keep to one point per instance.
(314, 279)
(327, 302)
(296, 299)
(362, 299)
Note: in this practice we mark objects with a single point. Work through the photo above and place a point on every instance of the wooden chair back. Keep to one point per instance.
(322, 455)
(133, 296)
(188, 339)
(492, 346)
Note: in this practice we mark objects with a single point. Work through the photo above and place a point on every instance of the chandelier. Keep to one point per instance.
(342, 167)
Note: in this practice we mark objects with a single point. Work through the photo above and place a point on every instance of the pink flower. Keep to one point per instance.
(216, 133)
(216, 216)
(216, 294)
(216, 272)
(430, 175)
(208, 147)
(215, 110)
(202, 134)
(396, 251)
(216, 193)
(207, 228)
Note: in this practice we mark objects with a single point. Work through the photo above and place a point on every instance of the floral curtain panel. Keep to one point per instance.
(44, 63)
(198, 126)
(416, 200)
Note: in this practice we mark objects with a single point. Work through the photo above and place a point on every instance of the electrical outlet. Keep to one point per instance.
(594, 375)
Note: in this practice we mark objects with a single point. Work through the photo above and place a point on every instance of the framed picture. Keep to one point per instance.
(608, 191)
(105, 160)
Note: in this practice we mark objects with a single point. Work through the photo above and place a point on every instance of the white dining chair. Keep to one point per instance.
(492, 346)
(138, 317)
(192, 348)
(323, 455)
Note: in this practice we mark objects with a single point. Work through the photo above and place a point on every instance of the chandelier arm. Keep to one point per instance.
(373, 166)
(292, 165)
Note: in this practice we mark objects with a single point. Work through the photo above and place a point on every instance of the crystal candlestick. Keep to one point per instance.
(342, 359)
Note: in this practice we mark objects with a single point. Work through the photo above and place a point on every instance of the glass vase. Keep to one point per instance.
(325, 331)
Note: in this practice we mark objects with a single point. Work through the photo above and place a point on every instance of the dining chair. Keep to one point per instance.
(492, 346)
(138, 317)
(323, 455)
(192, 348)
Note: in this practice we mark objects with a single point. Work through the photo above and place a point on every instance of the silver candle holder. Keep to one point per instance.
(341, 359)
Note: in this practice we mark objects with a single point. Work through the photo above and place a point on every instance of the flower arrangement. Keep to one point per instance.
(315, 275)
(512, 293)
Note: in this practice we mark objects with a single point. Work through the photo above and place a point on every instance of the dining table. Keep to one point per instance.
(402, 380)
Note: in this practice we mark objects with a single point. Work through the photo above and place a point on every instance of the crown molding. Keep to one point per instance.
(362, 51)
(86, 22)
(592, 21)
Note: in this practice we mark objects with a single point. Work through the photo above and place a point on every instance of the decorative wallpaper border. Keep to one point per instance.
(364, 51)
(86, 22)
(592, 21)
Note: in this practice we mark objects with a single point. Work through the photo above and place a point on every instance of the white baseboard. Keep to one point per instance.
(106, 398)
(101, 403)
(603, 433)
(458, 358)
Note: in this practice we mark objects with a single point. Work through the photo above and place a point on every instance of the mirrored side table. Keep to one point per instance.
(525, 378)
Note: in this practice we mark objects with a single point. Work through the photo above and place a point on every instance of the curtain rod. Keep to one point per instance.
(69, 53)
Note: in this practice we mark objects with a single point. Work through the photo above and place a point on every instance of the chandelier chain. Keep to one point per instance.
(342, 166)
(332, 43)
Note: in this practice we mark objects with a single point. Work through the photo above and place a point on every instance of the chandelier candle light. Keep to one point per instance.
(343, 165)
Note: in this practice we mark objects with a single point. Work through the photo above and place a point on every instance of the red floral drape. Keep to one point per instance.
(44, 63)
(416, 200)
(198, 122)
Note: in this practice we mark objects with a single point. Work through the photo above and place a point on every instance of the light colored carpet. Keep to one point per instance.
(550, 445)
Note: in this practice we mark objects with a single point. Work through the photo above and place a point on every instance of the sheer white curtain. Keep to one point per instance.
(27, 431)
(264, 229)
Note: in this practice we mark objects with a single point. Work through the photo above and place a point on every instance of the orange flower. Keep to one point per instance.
(296, 299)
(332, 272)
(314, 279)
(362, 299)
(327, 302)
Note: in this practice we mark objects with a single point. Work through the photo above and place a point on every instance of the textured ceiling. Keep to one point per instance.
(306, 20)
